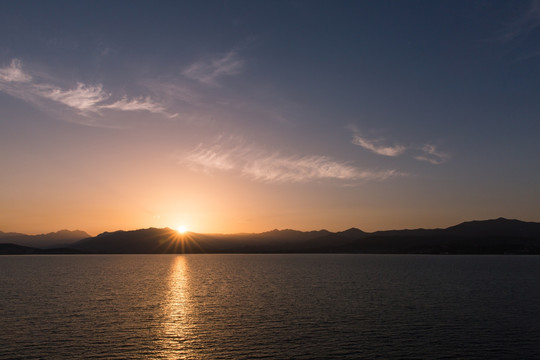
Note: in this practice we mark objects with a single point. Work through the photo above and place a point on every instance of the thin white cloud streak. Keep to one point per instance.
(208, 159)
(139, 104)
(176, 93)
(373, 146)
(428, 152)
(208, 72)
(524, 24)
(272, 167)
(84, 98)
(432, 155)
(14, 73)
(281, 169)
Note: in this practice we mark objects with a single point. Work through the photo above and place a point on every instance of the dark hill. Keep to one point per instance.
(50, 240)
(499, 236)
(13, 249)
(158, 241)
(150, 241)
(500, 227)
(4, 234)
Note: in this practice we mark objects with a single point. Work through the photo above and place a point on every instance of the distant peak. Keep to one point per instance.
(277, 231)
(353, 230)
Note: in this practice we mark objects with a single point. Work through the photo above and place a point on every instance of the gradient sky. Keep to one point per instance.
(245, 116)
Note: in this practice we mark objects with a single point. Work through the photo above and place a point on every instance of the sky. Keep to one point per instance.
(246, 116)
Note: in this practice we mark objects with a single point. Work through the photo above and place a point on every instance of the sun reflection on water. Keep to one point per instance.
(177, 324)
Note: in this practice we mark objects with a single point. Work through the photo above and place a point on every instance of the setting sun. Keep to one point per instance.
(181, 229)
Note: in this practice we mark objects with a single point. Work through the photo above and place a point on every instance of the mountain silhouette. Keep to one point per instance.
(167, 240)
(13, 249)
(497, 236)
(50, 240)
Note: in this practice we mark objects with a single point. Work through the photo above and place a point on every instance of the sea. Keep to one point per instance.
(323, 306)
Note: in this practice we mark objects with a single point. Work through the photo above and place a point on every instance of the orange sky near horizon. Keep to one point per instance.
(253, 116)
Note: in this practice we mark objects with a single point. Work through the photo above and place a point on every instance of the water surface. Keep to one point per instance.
(269, 306)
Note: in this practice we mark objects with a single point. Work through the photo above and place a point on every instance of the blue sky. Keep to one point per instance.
(246, 116)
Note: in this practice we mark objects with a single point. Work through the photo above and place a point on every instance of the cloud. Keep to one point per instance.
(84, 98)
(273, 167)
(207, 72)
(520, 35)
(176, 93)
(373, 145)
(14, 73)
(524, 24)
(138, 104)
(207, 159)
(429, 153)
(277, 168)
(432, 155)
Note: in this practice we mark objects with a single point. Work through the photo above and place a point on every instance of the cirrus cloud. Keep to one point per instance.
(273, 167)
(376, 147)
(432, 155)
(14, 73)
(208, 72)
(427, 152)
(84, 99)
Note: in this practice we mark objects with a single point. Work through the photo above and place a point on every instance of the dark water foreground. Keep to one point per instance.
(269, 306)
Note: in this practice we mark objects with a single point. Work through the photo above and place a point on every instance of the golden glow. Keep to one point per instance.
(177, 243)
(181, 229)
(178, 316)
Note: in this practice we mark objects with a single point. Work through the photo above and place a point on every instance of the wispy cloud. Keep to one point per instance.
(427, 152)
(138, 104)
(524, 24)
(206, 159)
(277, 168)
(376, 147)
(520, 34)
(273, 167)
(85, 99)
(176, 93)
(14, 73)
(432, 155)
(209, 71)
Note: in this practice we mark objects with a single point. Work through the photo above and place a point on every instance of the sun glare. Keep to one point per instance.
(181, 229)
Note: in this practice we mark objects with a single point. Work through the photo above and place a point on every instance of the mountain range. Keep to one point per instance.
(497, 236)
(44, 241)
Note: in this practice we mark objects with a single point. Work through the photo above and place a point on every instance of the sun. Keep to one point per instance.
(181, 229)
